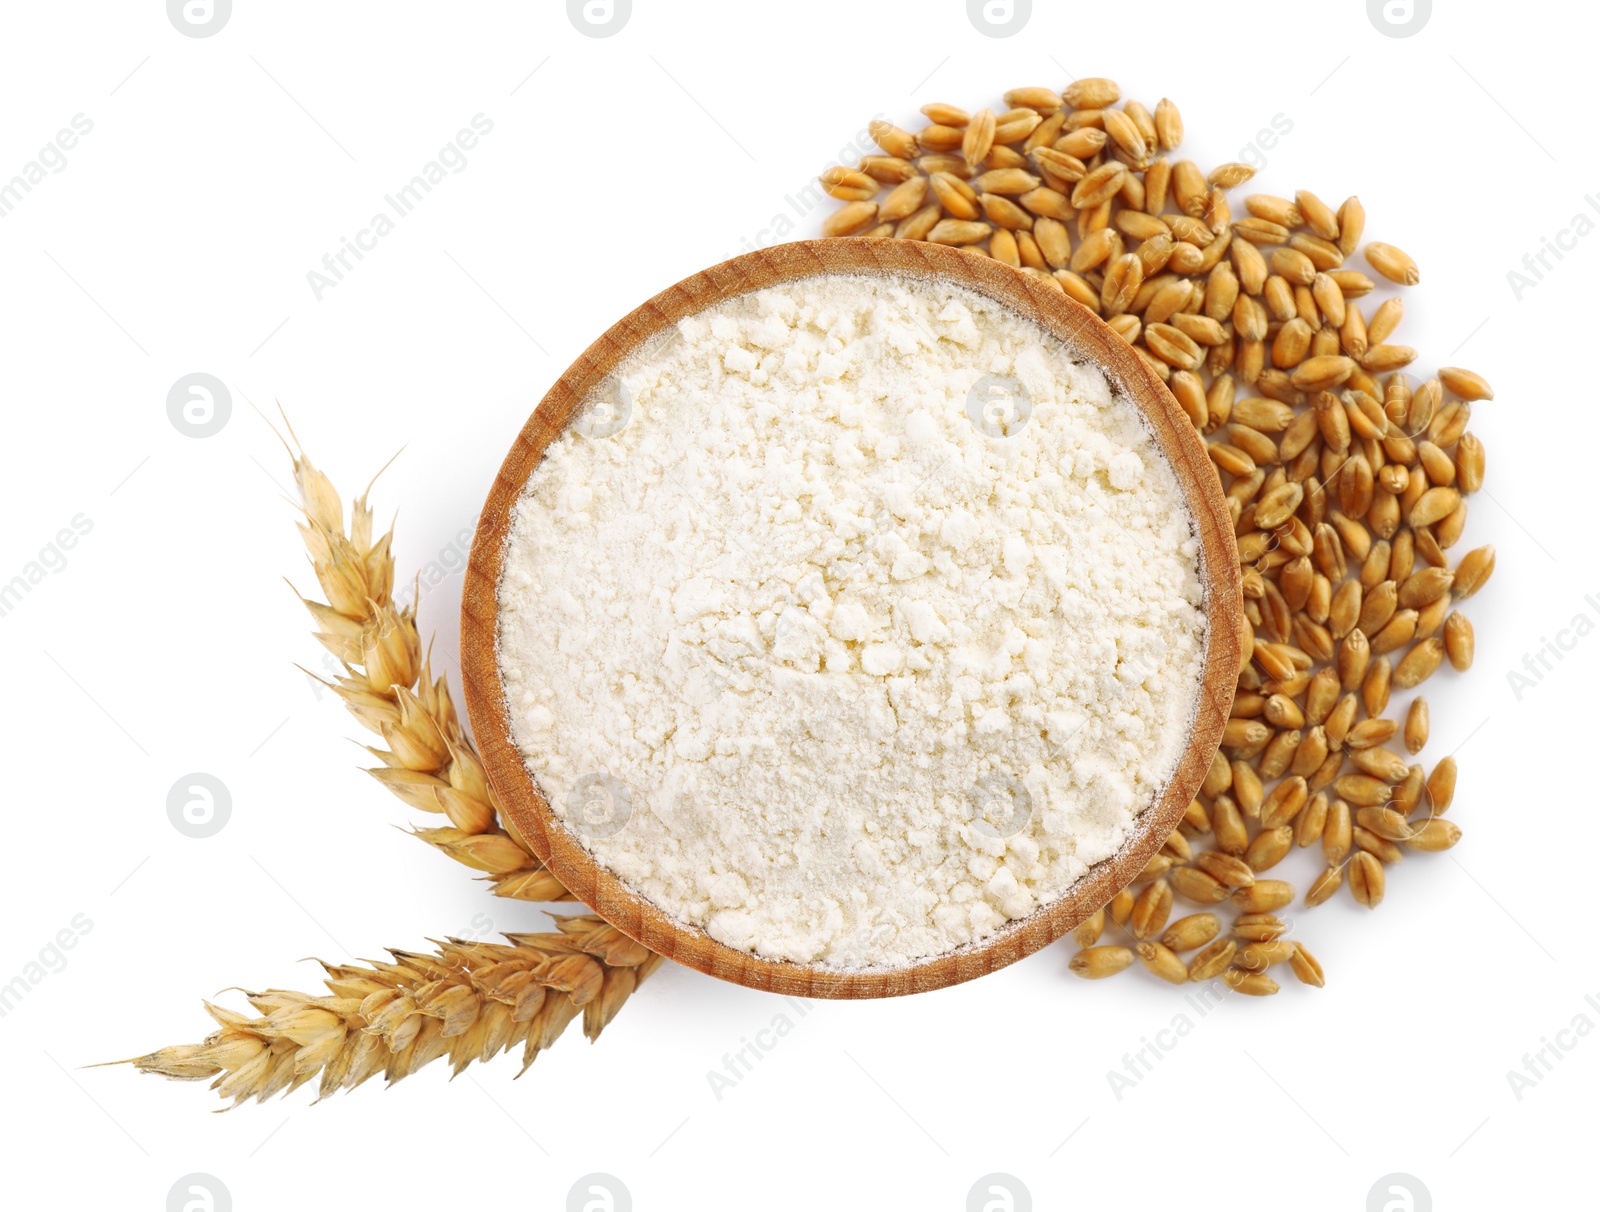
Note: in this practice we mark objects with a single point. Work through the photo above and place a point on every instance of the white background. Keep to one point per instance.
(178, 238)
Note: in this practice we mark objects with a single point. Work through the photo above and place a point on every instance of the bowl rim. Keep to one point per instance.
(528, 815)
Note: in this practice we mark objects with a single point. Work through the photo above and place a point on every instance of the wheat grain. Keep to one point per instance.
(1097, 963)
(945, 115)
(1190, 932)
(1467, 384)
(1416, 729)
(1435, 835)
(1366, 879)
(1305, 967)
(958, 231)
(850, 219)
(1254, 984)
(1088, 931)
(1258, 957)
(1392, 263)
(1151, 910)
(1161, 961)
(1264, 896)
(1259, 927)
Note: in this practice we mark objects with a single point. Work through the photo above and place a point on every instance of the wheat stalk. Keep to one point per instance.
(467, 1001)
(428, 762)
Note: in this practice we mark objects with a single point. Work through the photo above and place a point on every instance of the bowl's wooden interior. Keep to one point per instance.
(1087, 337)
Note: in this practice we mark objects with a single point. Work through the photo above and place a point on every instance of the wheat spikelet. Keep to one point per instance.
(467, 1001)
(427, 759)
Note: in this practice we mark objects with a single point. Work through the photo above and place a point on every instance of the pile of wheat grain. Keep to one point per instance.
(1347, 482)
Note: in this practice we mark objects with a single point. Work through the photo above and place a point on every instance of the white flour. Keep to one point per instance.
(808, 659)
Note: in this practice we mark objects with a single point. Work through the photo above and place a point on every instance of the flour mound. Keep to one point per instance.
(863, 621)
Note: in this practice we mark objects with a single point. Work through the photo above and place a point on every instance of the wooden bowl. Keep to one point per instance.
(1088, 337)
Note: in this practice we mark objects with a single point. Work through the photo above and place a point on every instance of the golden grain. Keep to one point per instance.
(918, 225)
(1228, 827)
(1034, 98)
(1323, 254)
(1264, 896)
(1366, 880)
(1458, 640)
(1254, 984)
(1004, 213)
(1306, 968)
(955, 195)
(850, 219)
(1003, 248)
(1190, 932)
(1322, 372)
(1284, 802)
(1465, 383)
(849, 184)
(1229, 870)
(1369, 733)
(1310, 825)
(1196, 886)
(1122, 282)
(1099, 185)
(1419, 664)
(1097, 963)
(1442, 786)
(1120, 907)
(1473, 571)
(1378, 847)
(1269, 848)
(1379, 762)
(945, 115)
(1384, 822)
(1124, 132)
(1091, 92)
(1395, 634)
(1258, 957)
(1416, 731)
(958, 232)
(1151, 909)
(1168, 123)
(904, 200)
(1435, 835)
(1213, 960)
(1163, 962)
(891, 170)
(1361, 789)
(1087, 932)
(1082, 145)
(1325, 885)
(1259, 927)
(1004, 181)
(977, 137)
(1392, 263)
